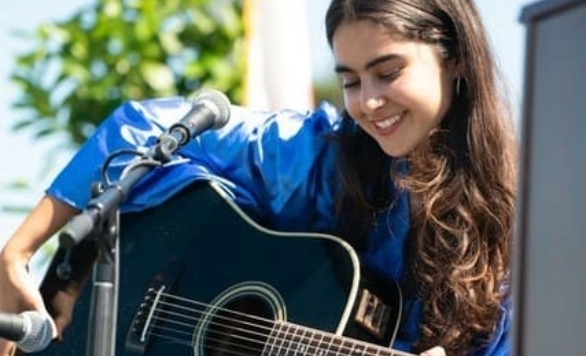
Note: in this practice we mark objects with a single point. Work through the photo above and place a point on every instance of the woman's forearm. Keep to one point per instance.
(48, 216)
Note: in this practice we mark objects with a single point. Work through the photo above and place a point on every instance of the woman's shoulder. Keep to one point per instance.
(325, 113)
(168, 109)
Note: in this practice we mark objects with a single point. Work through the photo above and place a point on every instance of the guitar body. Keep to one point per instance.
(200, 254)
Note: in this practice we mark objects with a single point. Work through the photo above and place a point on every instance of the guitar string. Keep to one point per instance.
(229, 327)
(299, 341)
(317, 350)
(232, 332)
(236, 348)
(226, 347)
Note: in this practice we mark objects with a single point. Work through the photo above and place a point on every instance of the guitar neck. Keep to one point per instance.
(288, 339)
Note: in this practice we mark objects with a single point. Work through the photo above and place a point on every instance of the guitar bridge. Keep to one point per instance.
(372, 314)
(137, 337)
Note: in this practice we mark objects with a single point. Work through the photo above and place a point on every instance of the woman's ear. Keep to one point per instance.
(455, 67)
(458, 68)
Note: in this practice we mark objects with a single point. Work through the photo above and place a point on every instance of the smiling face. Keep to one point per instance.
(398, 91)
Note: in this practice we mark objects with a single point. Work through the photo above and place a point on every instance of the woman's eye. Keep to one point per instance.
(349, 82)
(392, 75)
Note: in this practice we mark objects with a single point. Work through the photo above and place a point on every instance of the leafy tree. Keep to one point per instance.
(82, 68)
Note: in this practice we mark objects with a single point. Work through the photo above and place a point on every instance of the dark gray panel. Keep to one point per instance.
(550, 261)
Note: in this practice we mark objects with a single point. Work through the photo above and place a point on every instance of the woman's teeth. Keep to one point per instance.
(384, 124)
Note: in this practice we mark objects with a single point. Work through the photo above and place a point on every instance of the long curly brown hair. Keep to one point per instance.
(464, 176)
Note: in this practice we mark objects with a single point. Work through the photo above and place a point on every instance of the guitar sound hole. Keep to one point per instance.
(240, 328)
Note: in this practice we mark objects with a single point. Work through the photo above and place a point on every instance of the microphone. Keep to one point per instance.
(210, 110)
(31, 330)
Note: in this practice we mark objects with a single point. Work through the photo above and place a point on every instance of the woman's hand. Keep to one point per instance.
(19, 292)
(435, 351)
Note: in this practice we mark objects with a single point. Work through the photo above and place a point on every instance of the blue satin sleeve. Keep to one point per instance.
(278, 165)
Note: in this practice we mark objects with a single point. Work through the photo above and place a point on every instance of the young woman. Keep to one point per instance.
(417, 172)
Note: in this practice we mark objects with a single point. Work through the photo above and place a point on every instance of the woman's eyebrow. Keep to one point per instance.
(340, 68)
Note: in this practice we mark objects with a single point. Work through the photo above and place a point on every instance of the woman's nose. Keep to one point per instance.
(372, 100)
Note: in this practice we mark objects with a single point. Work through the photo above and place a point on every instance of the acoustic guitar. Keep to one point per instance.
(197, 276)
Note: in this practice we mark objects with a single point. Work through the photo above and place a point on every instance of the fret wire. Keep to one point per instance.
(295, 341)
(302, 342)
(329, 346)
(271, 340)
(352, 345)
(281, 337)
(372, 350)
(290, 343)
(320, 350)
(335, 346)
(285, 345)
(358, 350)
(310, 336)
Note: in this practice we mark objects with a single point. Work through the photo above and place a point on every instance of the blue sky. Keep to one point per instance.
(23, 158)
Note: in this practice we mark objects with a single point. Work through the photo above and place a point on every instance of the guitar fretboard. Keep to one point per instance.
(288, 339)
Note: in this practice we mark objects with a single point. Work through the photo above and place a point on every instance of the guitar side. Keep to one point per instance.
(201, 246)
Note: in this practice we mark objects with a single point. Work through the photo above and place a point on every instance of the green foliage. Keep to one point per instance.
(327, 88)
(114, 50)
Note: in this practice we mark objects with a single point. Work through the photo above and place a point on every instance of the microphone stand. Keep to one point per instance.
(100, 221)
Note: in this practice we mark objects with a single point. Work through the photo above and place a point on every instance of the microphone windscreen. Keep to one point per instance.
(216, 101)
(39, 331)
